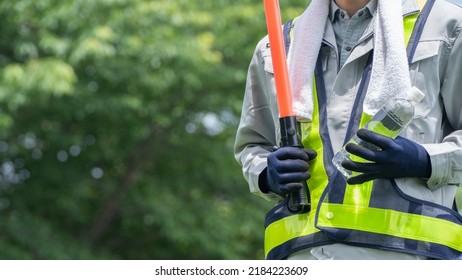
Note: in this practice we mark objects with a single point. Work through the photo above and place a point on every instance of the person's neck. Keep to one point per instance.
(351, 6)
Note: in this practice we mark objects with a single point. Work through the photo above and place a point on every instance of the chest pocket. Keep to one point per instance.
(426, 73)
(426, 49)
(267, 61)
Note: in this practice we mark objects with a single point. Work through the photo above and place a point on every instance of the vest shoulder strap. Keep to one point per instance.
(286, 34)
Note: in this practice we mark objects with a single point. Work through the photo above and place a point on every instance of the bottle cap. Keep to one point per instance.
(415, 95)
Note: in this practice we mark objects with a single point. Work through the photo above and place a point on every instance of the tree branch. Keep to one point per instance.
(137, 162)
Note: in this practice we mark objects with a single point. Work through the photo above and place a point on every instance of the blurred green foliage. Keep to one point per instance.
(117, 121)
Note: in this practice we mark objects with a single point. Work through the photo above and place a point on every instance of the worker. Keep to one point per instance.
(346, 58)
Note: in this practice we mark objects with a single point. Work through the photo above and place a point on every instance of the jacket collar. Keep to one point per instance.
(409, 7)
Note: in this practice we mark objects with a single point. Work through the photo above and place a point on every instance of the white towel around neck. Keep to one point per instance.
(390, 71)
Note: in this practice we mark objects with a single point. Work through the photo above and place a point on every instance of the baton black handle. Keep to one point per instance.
(300, 200)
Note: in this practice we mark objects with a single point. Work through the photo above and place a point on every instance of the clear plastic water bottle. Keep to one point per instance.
(390, 120)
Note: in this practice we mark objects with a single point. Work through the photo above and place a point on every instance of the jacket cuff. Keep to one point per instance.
(440, 163)
(255, 185)
(264, 190)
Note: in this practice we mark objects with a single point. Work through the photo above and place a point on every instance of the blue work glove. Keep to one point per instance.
(287, 170)
(398, 158)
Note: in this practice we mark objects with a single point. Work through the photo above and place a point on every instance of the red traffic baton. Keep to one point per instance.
(290, 129)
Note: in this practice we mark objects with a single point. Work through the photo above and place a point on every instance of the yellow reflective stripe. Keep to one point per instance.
(358, 194)
(364, 119)
(311, 139)
(291, 227)
(409, 23)
(294, 226)
(391, 222)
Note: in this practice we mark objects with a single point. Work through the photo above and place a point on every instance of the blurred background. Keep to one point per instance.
(117, 123)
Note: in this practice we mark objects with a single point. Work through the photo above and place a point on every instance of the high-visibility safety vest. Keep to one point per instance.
(363, 215)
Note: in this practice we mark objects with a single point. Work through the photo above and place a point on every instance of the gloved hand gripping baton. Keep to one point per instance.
(300, 200)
